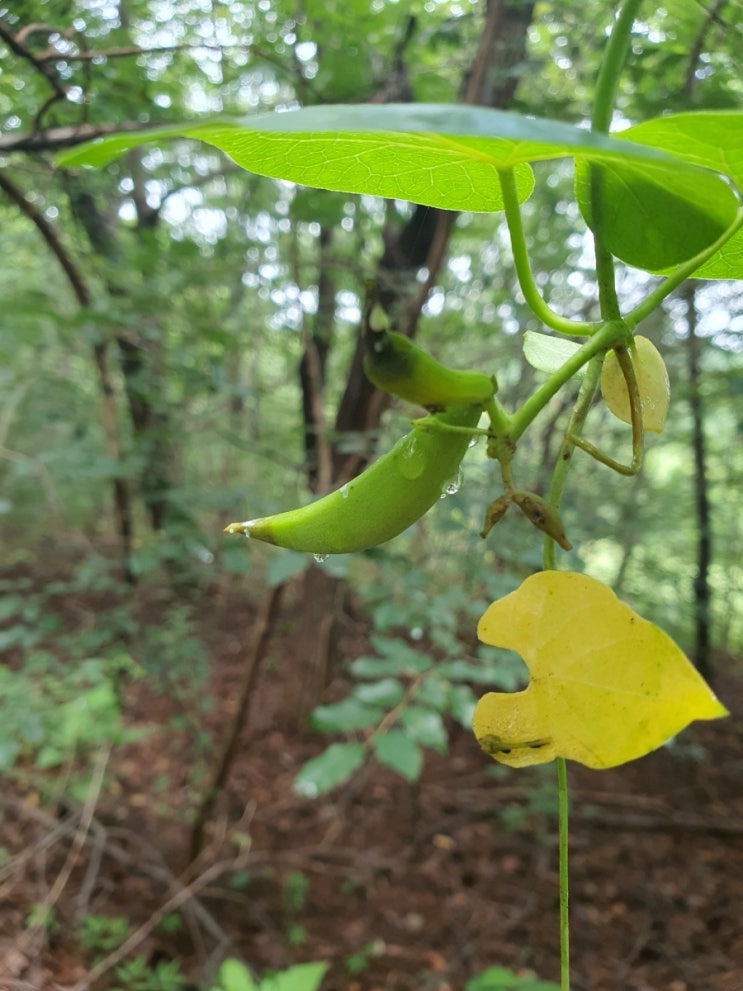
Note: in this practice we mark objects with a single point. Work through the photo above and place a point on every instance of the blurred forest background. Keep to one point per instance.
(178, 349)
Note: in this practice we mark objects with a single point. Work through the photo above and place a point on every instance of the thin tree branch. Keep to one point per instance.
(712, 18)
(221, 768)
(74, 276)
(73, 855)
(56, 138)
(127, 51)
(19, 49)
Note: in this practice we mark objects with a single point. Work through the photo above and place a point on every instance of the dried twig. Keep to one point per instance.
(184, 894)
(81, 834)
(254, 654)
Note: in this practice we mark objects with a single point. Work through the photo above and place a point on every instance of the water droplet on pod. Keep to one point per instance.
(320, 558)
(344, 491)
(453, 485)
(412, 459)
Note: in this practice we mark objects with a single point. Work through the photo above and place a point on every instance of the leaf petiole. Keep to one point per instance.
(638, 435)
(523, 268)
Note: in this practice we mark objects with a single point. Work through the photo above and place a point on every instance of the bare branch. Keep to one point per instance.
(56, 138)
(127, 51)
(75, 851)
(19, 49)
(712, 18)
(74, 276)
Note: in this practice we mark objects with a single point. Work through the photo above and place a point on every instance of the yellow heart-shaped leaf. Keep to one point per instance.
(606, 686)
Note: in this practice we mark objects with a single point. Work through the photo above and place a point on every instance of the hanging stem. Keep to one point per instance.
(611, 65)
(562, 811)
(638, 436)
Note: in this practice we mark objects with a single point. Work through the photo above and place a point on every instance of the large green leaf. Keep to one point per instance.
(713, 139)
(443, 155)
(649, 223)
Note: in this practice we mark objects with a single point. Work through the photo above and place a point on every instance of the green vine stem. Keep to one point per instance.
(563, 801)
(523, 268)
(611, 333)
(635, 405)
(606, 89)
(575, 427)
(607, 336)
(612, 61)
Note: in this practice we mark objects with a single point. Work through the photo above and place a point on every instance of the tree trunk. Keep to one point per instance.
(140, 357)
(702, 592)
(109, 414)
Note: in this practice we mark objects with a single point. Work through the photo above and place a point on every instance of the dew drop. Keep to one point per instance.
(344, 491)
(453, 485)
(416, 633)
(473, 441)
(320, 558)
(412, 459)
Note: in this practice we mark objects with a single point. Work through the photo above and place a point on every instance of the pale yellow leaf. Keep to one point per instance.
(606, 686)
(652, 384)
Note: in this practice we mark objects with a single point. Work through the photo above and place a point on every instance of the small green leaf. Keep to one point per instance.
(434, 693)
(462, 704)
(397, 751)
(302, 977)
(234, 976)
(329, 769)
(501, 979)
(349, 714)
(387, 692)
(378, 667)
(425, 727)
(285, 565)
(547, 353)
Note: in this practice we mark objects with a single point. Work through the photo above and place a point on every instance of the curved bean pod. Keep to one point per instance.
(381, 502)
(394, 364)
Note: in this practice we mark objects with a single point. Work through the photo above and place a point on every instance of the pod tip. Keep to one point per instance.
(238, 527)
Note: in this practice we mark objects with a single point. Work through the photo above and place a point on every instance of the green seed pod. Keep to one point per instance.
(394, 364)
(384, 500)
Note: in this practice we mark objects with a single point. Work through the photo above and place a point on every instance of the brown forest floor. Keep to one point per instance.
(406, 887)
